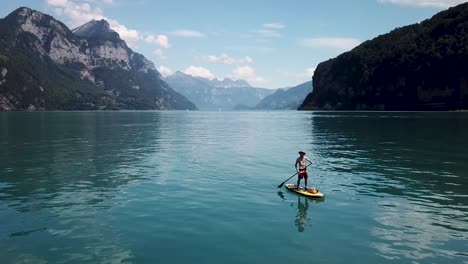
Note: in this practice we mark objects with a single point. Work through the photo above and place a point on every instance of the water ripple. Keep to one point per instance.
(140, 186)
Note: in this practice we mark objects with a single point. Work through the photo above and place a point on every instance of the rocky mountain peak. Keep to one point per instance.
(96, 29)
(41, 25)
(226, 94)
(89, 68)
(27, 15)
(214, 83)
(228, 83)
(34, 21)
(180, 74)
(22, 12)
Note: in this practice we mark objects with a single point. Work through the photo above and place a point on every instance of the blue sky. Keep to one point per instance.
(269, 43)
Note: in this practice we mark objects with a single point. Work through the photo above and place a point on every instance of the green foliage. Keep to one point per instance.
(35, 80)
(4, 59)
(417, 67)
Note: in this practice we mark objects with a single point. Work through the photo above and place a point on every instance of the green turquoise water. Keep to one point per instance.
(200, 187)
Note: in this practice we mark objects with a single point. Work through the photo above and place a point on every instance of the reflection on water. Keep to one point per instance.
(73, 151)
(60, 173)
(301, 216)
(139, 186)
(417, 231)
(413, 169)
(281, 195)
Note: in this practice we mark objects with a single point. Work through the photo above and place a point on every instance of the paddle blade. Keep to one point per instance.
(281, 185)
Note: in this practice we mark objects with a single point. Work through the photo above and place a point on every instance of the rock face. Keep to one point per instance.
(418, 67)
(227, 83)
(45, 66)
(286, 99)
(215, 94)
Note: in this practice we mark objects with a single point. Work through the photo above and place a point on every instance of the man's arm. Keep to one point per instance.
(310, 162)
(295, 164)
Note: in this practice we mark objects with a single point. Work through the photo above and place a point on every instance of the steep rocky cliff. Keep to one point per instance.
(418, 67)
(45, 66)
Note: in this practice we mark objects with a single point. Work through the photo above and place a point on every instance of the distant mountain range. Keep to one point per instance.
(226, 83)
(216, 94)
(46, 66)
(283, 99)
(423, 66)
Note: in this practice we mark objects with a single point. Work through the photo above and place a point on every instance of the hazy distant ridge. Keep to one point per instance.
(208, 94)
(286, 99)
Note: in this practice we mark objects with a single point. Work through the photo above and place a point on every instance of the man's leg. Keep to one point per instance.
(305, 179)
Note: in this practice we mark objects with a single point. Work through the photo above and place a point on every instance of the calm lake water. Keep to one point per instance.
(201, 187)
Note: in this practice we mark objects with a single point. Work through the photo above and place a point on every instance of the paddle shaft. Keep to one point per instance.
(281, 185)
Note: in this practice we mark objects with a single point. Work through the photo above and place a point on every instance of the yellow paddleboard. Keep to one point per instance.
(301, 190)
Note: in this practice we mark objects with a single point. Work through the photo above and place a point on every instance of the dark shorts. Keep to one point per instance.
(303, 174)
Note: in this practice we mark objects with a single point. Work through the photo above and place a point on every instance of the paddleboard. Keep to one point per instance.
(302, 191)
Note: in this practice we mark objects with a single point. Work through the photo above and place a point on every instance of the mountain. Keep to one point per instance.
(418, 67)
(215, 94)
(225, 83)
(97, 29)
(46, 66)
(228, 83)
(290, 98)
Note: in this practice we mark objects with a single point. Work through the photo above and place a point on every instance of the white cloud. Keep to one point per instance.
(309, 72)
(159, 53)
(58, 11)
(268, 33)
(226, 59)
(160, 40)
(57, 3)
(199, 72)
(81, 13)
(164, 71)
(247, 73)
(274, 25)
(129, 35)
(270, 30)
(425, 3)
(335, 43)
(77, 13)
(187, 33)
(301, 77)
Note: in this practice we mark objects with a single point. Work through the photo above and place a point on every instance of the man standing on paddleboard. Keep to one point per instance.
(302, 170)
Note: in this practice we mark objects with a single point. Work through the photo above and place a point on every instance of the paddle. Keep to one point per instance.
(281, 185)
